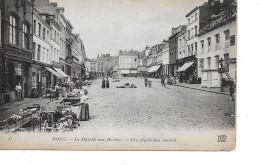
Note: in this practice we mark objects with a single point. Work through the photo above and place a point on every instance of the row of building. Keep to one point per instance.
(203, 51)
(38, 48)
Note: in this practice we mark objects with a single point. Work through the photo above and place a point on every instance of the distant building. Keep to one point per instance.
(166, 59)
(154, 60)
(173, 48)
(128, 62)
(103, 65)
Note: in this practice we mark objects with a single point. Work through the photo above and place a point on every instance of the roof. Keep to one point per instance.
(196, 8)
(221, 19)
(178, 30)
(129, 53)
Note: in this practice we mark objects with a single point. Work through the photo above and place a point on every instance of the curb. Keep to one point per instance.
(201, 89)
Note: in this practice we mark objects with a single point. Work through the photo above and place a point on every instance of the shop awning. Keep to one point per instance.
(61, 72)
(185, 67)
(154, 68)
(54, 72)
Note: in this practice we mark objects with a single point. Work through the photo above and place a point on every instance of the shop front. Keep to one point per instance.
(15, 73)
(155, 71)
(187, 73)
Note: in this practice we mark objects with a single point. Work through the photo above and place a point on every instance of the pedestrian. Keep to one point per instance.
(232, 90)
(63, 91)
(107, 83)
(145, 81)
(163, 81)
(18, 90)
(57, 92)
(103, 83)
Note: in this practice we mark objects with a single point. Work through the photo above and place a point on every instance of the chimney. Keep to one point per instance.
(215, 6)
(54, 4)
(226, 3)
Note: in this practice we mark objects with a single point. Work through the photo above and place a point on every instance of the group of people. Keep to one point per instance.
(105, 83)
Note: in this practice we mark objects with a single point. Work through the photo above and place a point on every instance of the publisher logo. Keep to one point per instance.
(222, 138)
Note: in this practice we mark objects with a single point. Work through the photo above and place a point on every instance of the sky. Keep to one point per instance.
(107, 26)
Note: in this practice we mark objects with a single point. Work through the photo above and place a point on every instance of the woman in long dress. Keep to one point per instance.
(103, 83)
(107, 83)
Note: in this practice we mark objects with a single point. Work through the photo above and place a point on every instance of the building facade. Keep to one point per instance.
(128, 62)
(173, 48)
(217, 44)
(15, 49)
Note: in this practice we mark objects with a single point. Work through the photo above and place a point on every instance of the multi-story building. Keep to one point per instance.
(128, 62)
(173, 48)
(217, 46)
(41, 53)
(197, 19)
(165, 59)
(114, 65)
(103, 65)
(15, 48)
(91, 67)
(142, 66)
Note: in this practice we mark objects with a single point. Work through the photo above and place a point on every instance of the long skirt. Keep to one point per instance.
(107, 84)
(103, 84)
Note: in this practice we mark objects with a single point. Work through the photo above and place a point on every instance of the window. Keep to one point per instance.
(202, 46)
(13, 34)
(25, 36)
(201, 65)
(47, 57)
(227, 38)
(38, 52)
(54, 58)
(188, 34)
(188, 21)
(196, 16)
(43, 54)
(34, 26)
(39, 29)
(226, 62)
(188, 49)
(209, 63)
(209, 44)
(43, 33)
(232, 40)
(48, 35)
(33, 51)
(195, 48)
(55, 33)
(191, 49)
(217, 41)
(216, 62)
(196, 29)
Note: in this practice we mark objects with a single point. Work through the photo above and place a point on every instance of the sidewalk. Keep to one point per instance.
(197, 87)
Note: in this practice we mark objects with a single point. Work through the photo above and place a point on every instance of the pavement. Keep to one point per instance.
(174, 107)
(157, 108)
(198, 87)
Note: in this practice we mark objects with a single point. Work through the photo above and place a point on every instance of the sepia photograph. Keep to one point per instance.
(118, 75)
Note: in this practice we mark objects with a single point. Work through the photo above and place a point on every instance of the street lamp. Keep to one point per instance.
(221, 71)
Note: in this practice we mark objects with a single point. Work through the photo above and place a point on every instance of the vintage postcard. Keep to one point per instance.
(118, 75)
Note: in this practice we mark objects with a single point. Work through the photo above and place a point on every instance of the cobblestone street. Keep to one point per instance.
(170, 108)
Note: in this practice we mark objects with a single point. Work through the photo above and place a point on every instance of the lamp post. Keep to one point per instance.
(221, 71)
